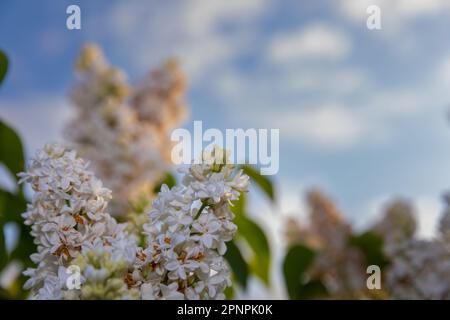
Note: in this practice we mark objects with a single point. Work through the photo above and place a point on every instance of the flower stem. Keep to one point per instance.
(204, 205)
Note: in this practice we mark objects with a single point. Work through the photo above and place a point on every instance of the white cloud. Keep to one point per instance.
(324, 126)
(442, 74)
(202, 17)
(372, 210)
(38, 119)
(340, 80)
(316, 41)
(345, 106)
(395, 12)
(190, 30)
(429, 210)
(340, 126)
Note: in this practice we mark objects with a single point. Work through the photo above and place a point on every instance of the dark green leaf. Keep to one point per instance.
(11, 206)
(262, 181)
(3, 65)
(229, 293)
(25, 247)
(3, 255)
(237, 263)
(252, 233)
(314, 289)
(257, 240)
(296, 263)
(238, 206)
(11, 149)
(371, 244)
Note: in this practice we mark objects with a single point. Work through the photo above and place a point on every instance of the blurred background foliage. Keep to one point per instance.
(12, 204)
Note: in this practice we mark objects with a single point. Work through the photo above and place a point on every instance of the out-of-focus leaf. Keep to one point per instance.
(371, 244)
(237, 263)
(21, 253)
(229, 293)
(314, 289)
(168, 179)
(262, 181)
(25, 247)
(11, 149)
(3, 65)
(3, 256)
(238, 206)
(12, 206)
(296, 263)
(255, 237)
(257, 240)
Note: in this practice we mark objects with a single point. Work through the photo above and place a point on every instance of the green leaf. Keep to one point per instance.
(3, 65)
(237, 263)
(11, 206)
(168, 179)
(257, 240)
(262, 181)
(238, 207)
(3, 256)
(255, 237)
(314, 289)
(297, 261)
(371, 244)
(25, 247)
(11, 149)
(229, 293)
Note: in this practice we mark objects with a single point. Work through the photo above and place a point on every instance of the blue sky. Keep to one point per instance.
(362, 114)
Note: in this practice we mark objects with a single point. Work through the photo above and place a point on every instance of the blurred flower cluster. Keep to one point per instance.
(411, 268)
(419, 269)
(338, 264)
(123, 130)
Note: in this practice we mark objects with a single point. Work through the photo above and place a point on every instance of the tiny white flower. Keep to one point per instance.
(170, 292)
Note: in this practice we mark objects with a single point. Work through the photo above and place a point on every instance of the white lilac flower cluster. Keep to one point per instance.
(419, 269)
(397, 226)
(189, 226)
(158, 99)
(337, 262)
(183, 259)
(124, 131)
(68, 220)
